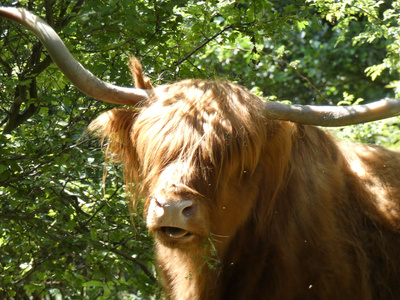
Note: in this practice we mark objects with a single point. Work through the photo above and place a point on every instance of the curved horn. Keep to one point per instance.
(333, 116)
(72, 69)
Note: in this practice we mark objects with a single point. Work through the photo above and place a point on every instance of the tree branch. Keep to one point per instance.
(131, 259)
(187, 56)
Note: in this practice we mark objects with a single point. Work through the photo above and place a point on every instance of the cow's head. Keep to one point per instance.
(192, 149)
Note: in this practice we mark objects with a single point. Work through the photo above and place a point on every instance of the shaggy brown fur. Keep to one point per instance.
(285, 212)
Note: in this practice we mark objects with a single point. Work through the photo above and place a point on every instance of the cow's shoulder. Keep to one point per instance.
(378, 171)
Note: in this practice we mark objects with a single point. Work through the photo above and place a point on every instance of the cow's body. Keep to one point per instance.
(273, 209)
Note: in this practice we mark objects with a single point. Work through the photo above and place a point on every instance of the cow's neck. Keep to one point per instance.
(188, 271)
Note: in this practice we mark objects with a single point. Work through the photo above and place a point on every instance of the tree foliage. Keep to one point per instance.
(66, 235)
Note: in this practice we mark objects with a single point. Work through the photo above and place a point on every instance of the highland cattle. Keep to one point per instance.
(246, 199)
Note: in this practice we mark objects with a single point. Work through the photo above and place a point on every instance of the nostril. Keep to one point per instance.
(156, 206)
(189, 211)
(157, 203)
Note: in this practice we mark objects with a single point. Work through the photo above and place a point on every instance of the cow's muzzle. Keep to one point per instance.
(171, 219)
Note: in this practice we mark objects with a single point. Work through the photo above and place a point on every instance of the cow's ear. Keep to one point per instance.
(140, 80)
(114, 127)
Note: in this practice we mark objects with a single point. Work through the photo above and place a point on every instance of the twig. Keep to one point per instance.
(132, 259)
(226, 28)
